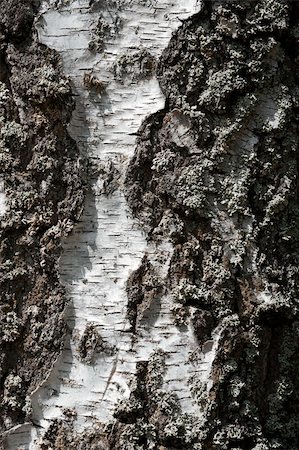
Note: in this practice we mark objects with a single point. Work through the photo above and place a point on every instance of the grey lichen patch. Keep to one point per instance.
(144, 287)
(217, 172)
(107, 27)
(101, 31)
(61, 435)
(181, 315)
(171, 226)
(43, 175)
(12, 393)
(109, 175)
(187, 295)
(11, 325)
(91, 343)
(134, 66)
(16, 19)
(151, 417)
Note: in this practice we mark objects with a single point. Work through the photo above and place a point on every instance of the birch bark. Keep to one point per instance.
(181, 274)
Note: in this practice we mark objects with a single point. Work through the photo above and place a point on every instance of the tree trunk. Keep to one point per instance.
(149, 224)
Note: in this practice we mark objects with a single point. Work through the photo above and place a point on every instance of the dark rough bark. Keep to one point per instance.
(42, 173)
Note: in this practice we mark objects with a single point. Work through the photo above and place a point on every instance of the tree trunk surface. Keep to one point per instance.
(149, 224)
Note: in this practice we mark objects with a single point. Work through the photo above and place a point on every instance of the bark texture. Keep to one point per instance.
(220, 164)
(42, 175)
(214, 177)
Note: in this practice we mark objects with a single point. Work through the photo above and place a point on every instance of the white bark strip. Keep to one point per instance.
(108, 244)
